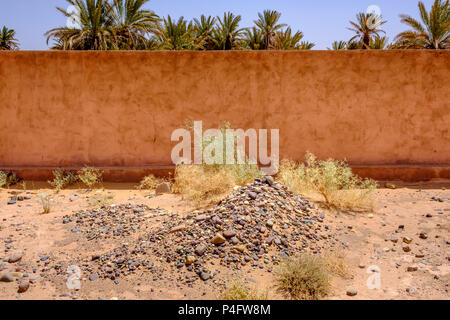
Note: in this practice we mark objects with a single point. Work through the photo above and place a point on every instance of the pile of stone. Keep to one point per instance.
(254, 227)
(111, 222)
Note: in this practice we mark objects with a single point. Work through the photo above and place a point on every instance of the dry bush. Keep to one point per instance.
(62, 179)
(100, 199)
(150, 182)
(333, 180)
(8, 179)
(202, 183)
(46, 201)
(304, 277)
(90, 176)
(239, 290)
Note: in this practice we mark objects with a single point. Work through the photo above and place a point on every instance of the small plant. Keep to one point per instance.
(8, 179)
(99, 199)
(333, 180)
(3, 179)
(303, 277)
(239, 290)
(90, 176)
(336, 264)
(46, 202)
(62, 179)
(150, 182)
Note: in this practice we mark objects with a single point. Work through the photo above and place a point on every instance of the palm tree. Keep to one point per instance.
(378, 43)
(254, 39)
(367, 26)
(285, 40)
(95, 32)
(338, 45)
(434, 33)
(176, 35)
(268, 24)
(204, 29)
(8, 40)
(227, 36)
(132, 23)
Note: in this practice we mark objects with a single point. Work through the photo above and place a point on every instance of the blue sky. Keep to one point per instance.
(321, 21)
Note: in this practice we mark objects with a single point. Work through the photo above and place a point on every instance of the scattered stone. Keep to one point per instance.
(15, 258)
(229, 234)
(407, 240)
(178, 228)
(11, 202)
(200, 249)
(390, 186)
(406, 248)
(412, 268)
(190, 260)
(23, 286)
(352, 292)
(423, 235)
(7, 277)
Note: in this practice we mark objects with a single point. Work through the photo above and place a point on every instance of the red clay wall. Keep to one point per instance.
(118, 109)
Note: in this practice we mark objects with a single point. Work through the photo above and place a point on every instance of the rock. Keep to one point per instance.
(270, 223)
(7, 277)
(412, 268)
(23, 286)
(45, 258)
(229, 234)
(15, 258)
(352, 292)
(73, 197)
(93, 277)
(218, 239)
(190, 260)
(205, 276)
(394, 238)
(95, 257)
(270, 180)
(390, 186)
(423, 235)
(11, 202)
(163, 188)
(406, 248)
(429, 215)
(200, 249)
(407, 240)
(178, 228)
(252, 195)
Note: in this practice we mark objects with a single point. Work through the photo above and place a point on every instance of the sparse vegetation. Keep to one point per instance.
(100, 199)
(46, 201)
(336, 264)
(303, 277)
(333, 180)
(8, 179)
(150, 182)
(90, 176)
(62, 179)
(240, 290)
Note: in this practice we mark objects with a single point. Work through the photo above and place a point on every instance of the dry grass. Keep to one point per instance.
(239, 290)
(304, 277)
(336, 264)
(3, 179)
(332, 180)
(90, 176)
(202, 183)
(62, 179)
(150, 182)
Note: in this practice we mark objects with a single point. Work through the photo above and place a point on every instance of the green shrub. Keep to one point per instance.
(8, 179)
(90, 176)
(62, 179)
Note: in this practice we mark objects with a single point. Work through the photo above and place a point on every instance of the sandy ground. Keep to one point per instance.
(369, 241)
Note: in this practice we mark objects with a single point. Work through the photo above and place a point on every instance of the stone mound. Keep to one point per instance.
(254, 227)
